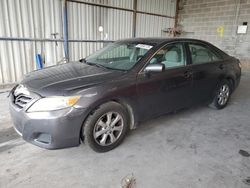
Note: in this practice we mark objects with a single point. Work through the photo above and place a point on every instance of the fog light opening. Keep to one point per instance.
(43, 138)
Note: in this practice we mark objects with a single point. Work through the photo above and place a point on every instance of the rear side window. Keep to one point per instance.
(202, 54)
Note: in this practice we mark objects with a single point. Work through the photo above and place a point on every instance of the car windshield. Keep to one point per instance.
(119, 56)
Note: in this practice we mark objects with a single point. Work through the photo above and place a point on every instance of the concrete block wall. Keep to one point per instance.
(203, 18)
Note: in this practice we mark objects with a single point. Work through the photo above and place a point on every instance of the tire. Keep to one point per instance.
(221, 95)
(106, 127)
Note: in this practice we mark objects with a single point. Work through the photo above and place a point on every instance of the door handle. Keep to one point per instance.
(221, 66)
(187, 74)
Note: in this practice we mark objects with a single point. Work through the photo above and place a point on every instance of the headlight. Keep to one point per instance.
(53, 103)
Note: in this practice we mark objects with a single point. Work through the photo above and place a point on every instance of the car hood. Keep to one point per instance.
(67, 78)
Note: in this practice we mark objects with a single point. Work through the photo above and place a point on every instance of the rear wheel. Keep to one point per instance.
(106, 128)
(222, 95)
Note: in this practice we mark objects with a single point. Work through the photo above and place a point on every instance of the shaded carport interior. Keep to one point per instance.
(197, 147)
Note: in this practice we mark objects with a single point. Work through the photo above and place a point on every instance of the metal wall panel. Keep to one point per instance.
(84, 21)
(152, 26)
(18, 57)
(165, 7)
(121, 3)
(41, 18)
(29, 19)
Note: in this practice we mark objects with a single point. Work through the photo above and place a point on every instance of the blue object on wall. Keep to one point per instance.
(39, 62)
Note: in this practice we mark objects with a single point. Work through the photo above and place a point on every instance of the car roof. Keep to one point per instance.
(159, 40)
(155, 41)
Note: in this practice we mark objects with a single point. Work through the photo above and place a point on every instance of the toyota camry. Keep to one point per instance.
(98, 99)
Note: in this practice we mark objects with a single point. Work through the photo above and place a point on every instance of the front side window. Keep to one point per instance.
(202, 54)
(120, 56)
(171, 55)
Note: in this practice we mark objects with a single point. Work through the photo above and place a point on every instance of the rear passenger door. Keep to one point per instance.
(207, 67)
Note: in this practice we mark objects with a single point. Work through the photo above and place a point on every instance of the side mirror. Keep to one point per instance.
(158, 67)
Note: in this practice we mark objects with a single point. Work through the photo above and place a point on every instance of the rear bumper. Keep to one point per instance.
(50, 130)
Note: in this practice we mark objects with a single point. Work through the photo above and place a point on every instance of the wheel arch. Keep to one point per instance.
(231, 80)
(131, 111)
(125, 103)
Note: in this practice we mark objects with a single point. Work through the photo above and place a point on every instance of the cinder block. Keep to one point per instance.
(214, 13)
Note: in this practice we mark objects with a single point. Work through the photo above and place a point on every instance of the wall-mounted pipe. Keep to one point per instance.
(65, 30)
(29, 39)
(99, 41)
(134, 18)
(49, 40)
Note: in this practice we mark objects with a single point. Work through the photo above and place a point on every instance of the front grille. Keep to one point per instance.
(22, 100)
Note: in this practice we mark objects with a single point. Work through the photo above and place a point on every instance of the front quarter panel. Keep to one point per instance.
(122, 90)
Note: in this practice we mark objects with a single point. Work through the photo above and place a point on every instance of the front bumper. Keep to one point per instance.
(50, 130)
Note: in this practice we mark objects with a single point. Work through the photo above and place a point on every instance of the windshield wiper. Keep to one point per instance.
(99, 65)
(96, 64)
(83, 60)
(90, 63)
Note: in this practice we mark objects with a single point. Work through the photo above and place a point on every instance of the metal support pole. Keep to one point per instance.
(176, 17)
(134, 18)
(65, 30)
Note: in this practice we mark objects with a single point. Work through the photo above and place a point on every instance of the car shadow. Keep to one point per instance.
(10, 146)
(8, 134)
(148, 125)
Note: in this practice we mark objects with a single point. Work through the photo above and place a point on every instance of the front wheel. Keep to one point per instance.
(106, 128)
(222, 95)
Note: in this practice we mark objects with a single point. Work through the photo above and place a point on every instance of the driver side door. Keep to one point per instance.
(169, 90)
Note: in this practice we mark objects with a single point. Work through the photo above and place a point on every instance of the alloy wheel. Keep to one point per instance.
(223, 94)
(108, 128)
